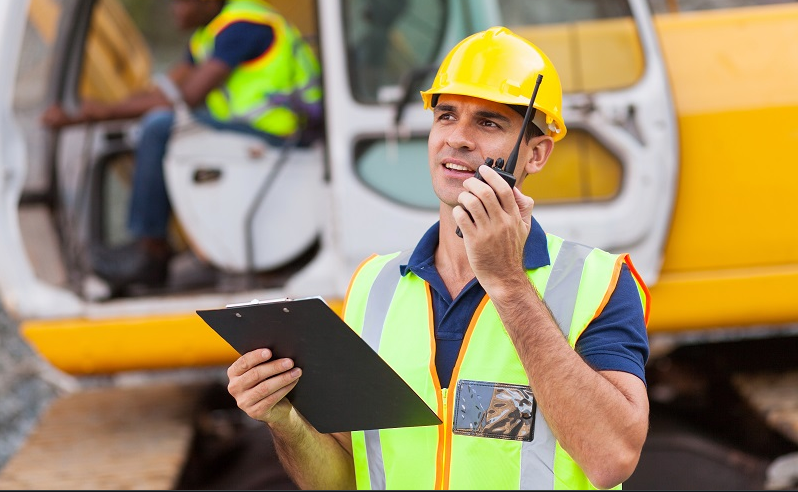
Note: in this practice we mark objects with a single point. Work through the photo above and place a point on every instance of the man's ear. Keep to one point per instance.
(541, 148)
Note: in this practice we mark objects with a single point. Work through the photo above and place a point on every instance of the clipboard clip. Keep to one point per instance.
(256, 301)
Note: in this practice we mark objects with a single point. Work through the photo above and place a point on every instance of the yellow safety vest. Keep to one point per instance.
(273, 93)
(486, 448)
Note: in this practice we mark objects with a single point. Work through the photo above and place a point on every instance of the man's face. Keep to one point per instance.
(465, 131)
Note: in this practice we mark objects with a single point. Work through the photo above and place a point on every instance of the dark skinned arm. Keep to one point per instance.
(194, 84)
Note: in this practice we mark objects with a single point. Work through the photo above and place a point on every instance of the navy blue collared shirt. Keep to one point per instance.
(615, 341)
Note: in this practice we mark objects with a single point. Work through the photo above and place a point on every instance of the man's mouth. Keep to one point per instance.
(455, 167)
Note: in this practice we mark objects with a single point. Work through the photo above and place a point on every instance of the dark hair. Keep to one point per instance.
(531, 131)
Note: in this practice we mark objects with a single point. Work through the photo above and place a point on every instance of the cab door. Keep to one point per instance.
(610, 183)
(26, 29)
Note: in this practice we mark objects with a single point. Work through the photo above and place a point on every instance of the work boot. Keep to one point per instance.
(144, 261)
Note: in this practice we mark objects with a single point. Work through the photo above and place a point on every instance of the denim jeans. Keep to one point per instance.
(150, 208)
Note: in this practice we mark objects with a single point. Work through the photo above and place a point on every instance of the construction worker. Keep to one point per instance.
(246, 69)
(533, 347)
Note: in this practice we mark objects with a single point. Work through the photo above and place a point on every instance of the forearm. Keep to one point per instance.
(313, 460)
(599, 425)
(137, 104)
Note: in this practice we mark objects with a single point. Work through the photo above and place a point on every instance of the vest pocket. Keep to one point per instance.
(494, 410)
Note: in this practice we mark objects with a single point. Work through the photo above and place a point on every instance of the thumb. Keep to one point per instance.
(525, 205)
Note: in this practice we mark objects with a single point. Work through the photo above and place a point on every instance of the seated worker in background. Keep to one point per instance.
(531, 348)
(247, 70)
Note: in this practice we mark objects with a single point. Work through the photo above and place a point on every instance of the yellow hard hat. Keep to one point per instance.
(500, 66)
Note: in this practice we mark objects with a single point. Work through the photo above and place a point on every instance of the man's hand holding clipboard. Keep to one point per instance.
(344, 385)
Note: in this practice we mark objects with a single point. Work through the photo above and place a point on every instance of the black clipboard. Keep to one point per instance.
(345, 385)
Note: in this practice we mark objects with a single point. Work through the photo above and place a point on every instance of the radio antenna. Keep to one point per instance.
(530, 110)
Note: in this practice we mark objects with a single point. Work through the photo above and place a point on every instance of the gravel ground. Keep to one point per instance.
(245, 459)
(27, 384)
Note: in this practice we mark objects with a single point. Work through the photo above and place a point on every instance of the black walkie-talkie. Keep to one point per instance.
(506, 169)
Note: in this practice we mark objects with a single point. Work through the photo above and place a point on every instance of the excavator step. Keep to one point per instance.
(108, 438)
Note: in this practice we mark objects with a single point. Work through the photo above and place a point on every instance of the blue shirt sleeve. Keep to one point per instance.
(617, 339)
(241, 42)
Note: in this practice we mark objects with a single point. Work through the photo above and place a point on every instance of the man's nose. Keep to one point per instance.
(460, 137)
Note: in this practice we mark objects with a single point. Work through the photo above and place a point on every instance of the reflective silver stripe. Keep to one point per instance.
(225, 93)
(537, 457)
(380, 296)
(376, 464)
(256, 111)
(563, 284)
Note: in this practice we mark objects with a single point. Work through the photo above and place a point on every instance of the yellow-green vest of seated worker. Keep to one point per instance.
(270, 92)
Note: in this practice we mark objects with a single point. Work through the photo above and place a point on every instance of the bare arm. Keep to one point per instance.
(313, 460)
(599, 418)
(194, 84)
(91, 110)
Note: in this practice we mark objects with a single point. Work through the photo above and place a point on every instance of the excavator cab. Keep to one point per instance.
(240, 206)
(256, 221)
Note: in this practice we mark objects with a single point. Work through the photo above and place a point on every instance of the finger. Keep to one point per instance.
(502, 189)
(485, 191)
(463, 220)
(269, 391)
(474, 184)
(260, 409)
(241, 385)
(248, 361)
(474, 206)
(264, 371)
(481, 189)
(262, 380)
(525, 205)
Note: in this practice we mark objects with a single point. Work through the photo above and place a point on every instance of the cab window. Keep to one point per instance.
(593, 44)
(386, 39)
(595, 47)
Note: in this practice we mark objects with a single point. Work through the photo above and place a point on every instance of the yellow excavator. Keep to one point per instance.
(683, 128)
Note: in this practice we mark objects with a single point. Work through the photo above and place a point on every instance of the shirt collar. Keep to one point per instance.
(536, 252)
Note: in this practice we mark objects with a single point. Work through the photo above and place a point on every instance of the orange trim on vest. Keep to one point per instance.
(616, 272)
(647, 300)
(467, 336)
(431, 323)
(437, 384)
(352, 281)
(624, 258)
